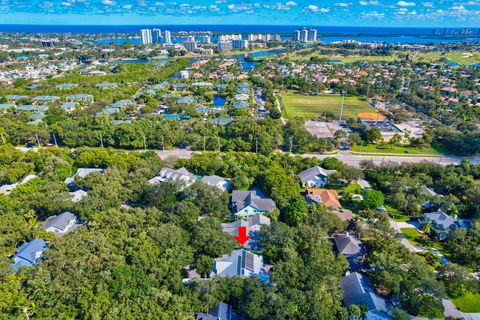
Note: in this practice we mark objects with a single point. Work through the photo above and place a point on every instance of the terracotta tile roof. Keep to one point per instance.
(326, 197)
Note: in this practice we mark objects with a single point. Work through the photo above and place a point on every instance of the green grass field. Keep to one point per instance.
(469, 303)
(412, 235)
(395, 150)
(463, 58)
(312, 106)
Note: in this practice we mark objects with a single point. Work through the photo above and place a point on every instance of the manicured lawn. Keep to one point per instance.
(340, 58)
(460, 57)
(412, 235)
(395, 149)
(463, 58)
(469, 303)
(352, 188)
(312, 106)
(397, 215)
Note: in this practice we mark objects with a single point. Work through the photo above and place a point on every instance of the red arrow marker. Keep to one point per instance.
(242, 235)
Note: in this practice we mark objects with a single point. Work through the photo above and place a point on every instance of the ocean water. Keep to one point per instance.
(221, 28)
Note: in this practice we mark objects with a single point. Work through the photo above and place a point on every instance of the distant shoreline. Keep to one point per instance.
(245, 29)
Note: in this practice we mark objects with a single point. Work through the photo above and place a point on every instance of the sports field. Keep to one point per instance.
(312, 106)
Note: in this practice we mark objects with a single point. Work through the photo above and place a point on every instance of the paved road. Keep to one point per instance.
(346, 157)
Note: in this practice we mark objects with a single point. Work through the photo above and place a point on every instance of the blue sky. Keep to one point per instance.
(403, 13)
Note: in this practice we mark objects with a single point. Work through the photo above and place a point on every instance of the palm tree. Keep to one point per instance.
(426, 227)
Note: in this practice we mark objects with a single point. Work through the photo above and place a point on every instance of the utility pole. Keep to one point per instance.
(341, 108)
(3, 138)
(55, 140)
(219, 144)
(144, 143)
(291, 143)
(203, 143)
(256, 145)
(163, 143)
(101, 140)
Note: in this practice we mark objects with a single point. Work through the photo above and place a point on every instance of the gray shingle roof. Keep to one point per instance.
(239, 263)
(356, 290)
(181, 175)
(214, 180)
(242, 199)
(347, 244)
(311, 173)
(60, 222)
(254, 222)
(441, 219)
(82, 173)
(80, 96)
(222, 121)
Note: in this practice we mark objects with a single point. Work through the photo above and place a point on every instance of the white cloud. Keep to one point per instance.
(316, 9)
(108, 2)
(369, 3)
(373, 14)
(406, 4)
(428, 4)
(291, 3)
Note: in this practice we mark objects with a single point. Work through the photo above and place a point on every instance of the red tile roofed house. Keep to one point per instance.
(328, 198)
(362, 73)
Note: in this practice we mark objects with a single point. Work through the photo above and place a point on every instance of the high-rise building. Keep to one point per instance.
(312, 35)
(156, 36)
(224, 45)
(146, 35)
(190, 45)
(264, 37)
(239, 44)
(207, 39)
(296, 35)
(228, 37)
(168, 37)
(191, 38)
(305, 35)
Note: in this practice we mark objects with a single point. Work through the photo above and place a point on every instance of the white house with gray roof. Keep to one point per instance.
(253, 225)
(62, 224)
(441, 222)
(238, 263)
(78, 195)
(223, 184)
(182, 175)
(249, 203)
(315, 177)
(357, 291)
(82, 173)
